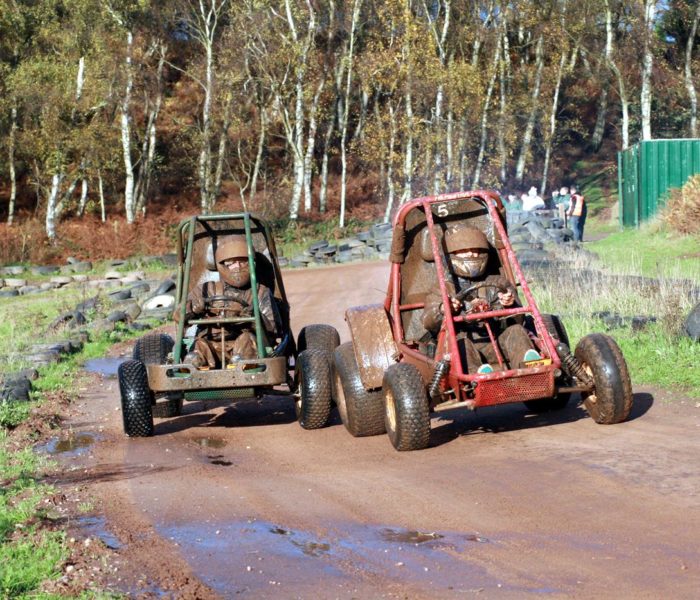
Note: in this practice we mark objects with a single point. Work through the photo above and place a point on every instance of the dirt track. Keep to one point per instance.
(240, 501)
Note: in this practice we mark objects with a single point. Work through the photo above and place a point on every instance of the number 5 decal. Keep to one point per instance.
(442, 210)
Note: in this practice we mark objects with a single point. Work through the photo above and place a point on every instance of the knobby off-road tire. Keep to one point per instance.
(362, 412)
(136, 399)
(406, 410)
(153, 349)
(611, 400)
(320, 337)
(557, 330)
(313, 405)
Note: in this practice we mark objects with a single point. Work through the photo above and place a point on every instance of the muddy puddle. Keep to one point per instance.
(107, 367)
(96, 527)
(76, 444)
(255, 555)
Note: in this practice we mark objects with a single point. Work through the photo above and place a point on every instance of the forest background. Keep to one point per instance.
(120, 117)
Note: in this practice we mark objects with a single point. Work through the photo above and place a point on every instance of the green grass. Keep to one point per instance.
(33, 555)
(650, 251)
(661, 354)
(293, 237)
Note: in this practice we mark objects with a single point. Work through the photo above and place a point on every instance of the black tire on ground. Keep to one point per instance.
(406, 410)
(556, 329)
(362, 412)
(611, 400)
(153, 349)
(320, 337)
(136, 398)
(313, 405)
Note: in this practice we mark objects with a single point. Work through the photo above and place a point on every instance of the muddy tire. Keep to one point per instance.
(314, 382)
(136, 398)
(406, 410)
(556, 329)
(362, 412)
(153, 349)
(611, 400)
(321, 337)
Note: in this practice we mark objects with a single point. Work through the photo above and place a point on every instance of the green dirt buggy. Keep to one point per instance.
(157, 381)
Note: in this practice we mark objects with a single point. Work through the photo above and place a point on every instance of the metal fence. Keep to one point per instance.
(647, 172)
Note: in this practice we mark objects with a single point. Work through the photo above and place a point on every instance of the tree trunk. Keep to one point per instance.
(689, 83)
(621, 88)
(601, 117)
(485, 115)
(344, 124)
(259, 153)
(323, 192)
(102, 196)
(552, 124)
(205, 143)
(83, 196)
(449, 174)
(647, 66)
(408, 153)
(527, 136)
(51, 206)
(390, 168)
(126, 134)
(221, 153)
(11, 162)
(311, 143)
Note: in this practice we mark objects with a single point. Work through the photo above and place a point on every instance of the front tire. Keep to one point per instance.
(153, 349)
(362, 412)
(313, 406)
(406, 410)
(611, 399)
(136, 399)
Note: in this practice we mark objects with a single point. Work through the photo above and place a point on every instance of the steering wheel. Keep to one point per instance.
(225, 303)
(471, 291)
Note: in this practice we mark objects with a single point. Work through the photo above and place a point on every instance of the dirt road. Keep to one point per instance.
(240, 501)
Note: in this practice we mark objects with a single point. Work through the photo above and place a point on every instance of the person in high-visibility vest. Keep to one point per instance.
(577, 214)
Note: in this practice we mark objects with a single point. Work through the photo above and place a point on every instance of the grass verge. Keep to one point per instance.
(651, 251)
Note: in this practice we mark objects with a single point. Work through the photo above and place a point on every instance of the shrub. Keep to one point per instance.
(682, 211)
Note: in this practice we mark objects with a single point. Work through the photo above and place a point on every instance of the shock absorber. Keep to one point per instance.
(441, 369)
(571, 364)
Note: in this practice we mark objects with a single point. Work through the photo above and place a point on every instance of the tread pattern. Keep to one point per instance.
(153, 349)
(412, 417)
(324, 338)
(314, 381)
(362, 412)
(136, 399)
(613, 388)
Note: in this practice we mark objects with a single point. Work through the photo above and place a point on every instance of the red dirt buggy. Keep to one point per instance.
(394, 372)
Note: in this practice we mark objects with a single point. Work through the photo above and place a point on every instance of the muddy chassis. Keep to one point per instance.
(157, 381)
(386, 380)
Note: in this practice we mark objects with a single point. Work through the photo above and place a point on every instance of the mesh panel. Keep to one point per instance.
(515, 389)
(229, 394)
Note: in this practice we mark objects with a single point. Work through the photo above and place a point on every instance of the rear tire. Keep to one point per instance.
(313, 406)
(557, 330)
(611, 399)
(153, 349)
(324, 338)
(136, 399)
(362, 412)
(406, 410)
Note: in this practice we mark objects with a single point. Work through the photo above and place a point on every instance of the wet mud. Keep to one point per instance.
(239, 501)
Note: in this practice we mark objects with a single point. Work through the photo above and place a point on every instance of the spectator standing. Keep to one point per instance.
(532, 200)
(562, 203)
(577, 214)
(555, 199)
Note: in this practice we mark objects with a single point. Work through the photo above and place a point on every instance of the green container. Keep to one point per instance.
(648, 171)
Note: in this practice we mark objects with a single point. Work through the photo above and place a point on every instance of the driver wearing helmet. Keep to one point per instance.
(231, 296)
(468, 252)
